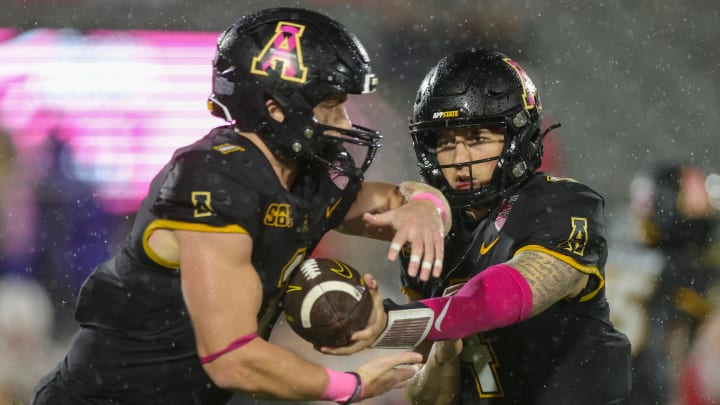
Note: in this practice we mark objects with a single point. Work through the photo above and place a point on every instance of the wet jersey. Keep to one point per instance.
(568, 354)
(136, 343)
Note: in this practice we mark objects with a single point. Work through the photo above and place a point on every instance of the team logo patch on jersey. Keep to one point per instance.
(283, 52)
(228, 148)
(530, 98)
(278, 215)
(504, 213)
(202, 204)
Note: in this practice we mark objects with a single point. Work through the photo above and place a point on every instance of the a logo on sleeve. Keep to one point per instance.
(282, 53)
(441, 317)
(278, 215)
(578, 239)
(201, 201)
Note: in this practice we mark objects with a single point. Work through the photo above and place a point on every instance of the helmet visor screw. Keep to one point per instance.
(296, 147)
(520, 119)
(519, 169)
(308, 133)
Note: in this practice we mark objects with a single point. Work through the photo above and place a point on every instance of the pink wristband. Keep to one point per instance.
(433, 199)
(343, 387)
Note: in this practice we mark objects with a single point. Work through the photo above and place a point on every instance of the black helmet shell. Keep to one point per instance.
(479, 87)
(296, 57)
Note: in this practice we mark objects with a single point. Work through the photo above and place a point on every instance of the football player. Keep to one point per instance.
(522, 283)
(678, 223)
(182, 314)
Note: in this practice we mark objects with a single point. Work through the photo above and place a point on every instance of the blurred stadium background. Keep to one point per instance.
(96, 94)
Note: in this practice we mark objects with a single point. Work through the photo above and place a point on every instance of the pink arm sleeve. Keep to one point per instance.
(498, 296)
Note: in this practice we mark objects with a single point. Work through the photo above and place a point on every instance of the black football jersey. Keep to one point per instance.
(570, 353)
(136, 340)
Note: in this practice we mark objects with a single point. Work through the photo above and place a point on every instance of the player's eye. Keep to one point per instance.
(445, 142)
(476, 139)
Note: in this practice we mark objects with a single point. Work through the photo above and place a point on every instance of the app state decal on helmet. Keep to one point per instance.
(479, 88)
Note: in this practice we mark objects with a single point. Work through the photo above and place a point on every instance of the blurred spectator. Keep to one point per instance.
(8, 157)
(681, 226)
(666, 265)
(701, 371)
(27, 350)
(73, 231)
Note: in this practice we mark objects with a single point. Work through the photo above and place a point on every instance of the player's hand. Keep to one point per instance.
(385, 373)
(445, 351)
(419, 224)
(376, 324)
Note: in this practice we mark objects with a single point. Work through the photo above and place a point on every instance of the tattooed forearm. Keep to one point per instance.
(550, 279)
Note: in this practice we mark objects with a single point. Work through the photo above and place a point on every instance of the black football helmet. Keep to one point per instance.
(296, 57)
(479, 87)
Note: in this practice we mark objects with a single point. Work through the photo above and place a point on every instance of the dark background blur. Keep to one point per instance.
(634, 83)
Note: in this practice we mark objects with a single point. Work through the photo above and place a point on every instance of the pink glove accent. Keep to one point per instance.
(498, 296)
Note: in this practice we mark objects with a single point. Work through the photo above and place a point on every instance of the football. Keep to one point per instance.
(326, 301)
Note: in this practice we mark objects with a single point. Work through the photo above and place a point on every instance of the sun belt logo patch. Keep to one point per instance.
(284, 52)
(530, 98)
(278, 215)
